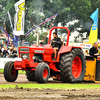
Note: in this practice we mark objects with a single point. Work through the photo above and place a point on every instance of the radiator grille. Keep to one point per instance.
(24, 49)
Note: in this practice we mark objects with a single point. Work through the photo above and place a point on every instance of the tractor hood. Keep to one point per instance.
(37, 50)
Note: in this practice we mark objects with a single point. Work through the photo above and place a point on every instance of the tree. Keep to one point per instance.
(34, 13)
(82, 10)
(40, 10)
(30, 38)
(51, 7)
(6, 5)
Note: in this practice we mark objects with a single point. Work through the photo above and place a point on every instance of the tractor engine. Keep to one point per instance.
(37, 57)
(29, 57)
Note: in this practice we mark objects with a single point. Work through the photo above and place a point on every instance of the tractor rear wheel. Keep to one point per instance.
(10, 74)
(42, 73)
(30, 75)
(72, 66)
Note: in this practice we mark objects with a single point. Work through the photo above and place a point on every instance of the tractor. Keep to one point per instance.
(37, 62)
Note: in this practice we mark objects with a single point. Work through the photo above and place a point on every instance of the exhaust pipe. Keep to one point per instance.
(38, 39)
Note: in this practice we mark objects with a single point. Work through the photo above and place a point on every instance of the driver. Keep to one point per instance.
(56, 44)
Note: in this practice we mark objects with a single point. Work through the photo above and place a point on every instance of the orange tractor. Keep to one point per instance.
(39, 65)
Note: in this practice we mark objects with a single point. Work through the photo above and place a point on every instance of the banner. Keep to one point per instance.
(19, 18)
(94, 29)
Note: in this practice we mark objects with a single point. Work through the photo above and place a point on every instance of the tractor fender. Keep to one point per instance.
(65, 49)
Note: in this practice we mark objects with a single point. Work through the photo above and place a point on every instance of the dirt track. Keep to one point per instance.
(22, 80)
(45, 94)
(49, 94)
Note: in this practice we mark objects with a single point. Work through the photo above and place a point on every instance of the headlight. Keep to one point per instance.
(24, 57)
(34, 57)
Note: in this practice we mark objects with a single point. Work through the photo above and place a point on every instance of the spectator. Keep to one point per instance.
(1, 54)
(64, 43)
(42, 43)
(5, 52)
(13, 47)
(3, 48)
(10, 51)
(14, 53)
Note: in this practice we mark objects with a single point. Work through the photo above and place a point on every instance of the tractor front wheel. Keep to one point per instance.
(42, 73)
(10, 74)
(72, 66)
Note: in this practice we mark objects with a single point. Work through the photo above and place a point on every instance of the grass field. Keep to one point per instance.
(20, 72)
(54, 86)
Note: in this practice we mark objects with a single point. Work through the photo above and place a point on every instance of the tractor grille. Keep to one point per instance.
(27, 54)
(24, 49)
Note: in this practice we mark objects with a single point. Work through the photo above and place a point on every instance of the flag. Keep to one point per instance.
(19, 18)
(10, 21)
(94, 29)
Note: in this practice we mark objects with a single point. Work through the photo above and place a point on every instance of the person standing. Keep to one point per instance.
(5, 52)
(1, 54)
(14, 53)
(94, 50)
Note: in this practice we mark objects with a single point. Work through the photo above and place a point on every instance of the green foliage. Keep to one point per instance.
(43, 36)
(6, 5)
(83, 9)
(31, 38)
(34, 15)
(51, 7)
(40, 10)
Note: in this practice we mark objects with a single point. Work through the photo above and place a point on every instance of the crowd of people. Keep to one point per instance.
(9, 52)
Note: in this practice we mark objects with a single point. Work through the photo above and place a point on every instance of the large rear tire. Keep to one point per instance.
(30, 75)
(10, 74)
(42, 73)
(72, 66)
